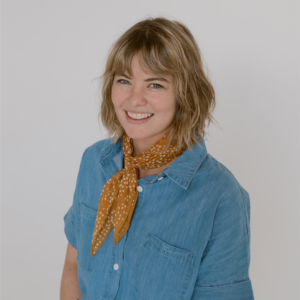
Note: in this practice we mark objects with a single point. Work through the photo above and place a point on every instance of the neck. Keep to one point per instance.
(142, 145)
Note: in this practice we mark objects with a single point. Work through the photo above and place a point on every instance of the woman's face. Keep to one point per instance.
(144, 93)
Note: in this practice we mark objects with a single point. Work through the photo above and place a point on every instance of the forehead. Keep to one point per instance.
(140, 68)
(142, 63)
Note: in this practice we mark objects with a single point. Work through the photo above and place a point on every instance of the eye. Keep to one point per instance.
(156, 85)
(123, 81)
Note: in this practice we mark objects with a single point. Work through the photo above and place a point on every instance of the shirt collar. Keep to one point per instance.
(181, 171)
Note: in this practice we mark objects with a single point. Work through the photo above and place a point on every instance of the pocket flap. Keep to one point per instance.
(155, 243)
(87, 211)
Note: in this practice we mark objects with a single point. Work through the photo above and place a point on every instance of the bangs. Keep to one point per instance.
(152, 52)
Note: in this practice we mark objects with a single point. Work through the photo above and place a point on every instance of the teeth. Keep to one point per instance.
(138, 116)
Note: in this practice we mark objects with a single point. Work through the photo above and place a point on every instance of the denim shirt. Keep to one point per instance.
(189, 236)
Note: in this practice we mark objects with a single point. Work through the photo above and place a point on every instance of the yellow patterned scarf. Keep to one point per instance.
(119, 194)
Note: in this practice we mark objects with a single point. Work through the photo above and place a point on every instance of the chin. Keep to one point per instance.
(133, 134)
(136, 136)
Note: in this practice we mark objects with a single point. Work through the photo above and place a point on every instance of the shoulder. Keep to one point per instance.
(220, 180)
(94, 150)
(91, 156)
(231, 198)
(89, 169)
(98, 146)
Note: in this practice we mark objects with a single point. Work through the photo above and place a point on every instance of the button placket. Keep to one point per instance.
(114, 272)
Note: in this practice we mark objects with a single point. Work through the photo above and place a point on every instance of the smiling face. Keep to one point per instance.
(144, 93)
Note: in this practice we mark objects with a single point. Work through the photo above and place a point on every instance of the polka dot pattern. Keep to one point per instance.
(119, 194)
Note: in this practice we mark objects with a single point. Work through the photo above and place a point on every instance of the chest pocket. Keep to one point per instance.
(86, 228)
(162, 271)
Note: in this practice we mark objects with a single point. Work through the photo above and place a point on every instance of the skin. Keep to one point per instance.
(69, 286)
(148, 93)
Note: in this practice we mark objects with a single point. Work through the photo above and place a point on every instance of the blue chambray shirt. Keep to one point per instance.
(189, 236)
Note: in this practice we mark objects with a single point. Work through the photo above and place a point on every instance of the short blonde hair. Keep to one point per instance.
(166, 47)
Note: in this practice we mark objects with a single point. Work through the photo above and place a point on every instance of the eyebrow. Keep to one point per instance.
(148, 79)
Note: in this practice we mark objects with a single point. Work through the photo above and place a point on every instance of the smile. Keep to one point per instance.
(138, 118)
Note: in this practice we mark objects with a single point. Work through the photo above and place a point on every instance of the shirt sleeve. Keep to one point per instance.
(70, 231)
(224, 268)
(70, 217)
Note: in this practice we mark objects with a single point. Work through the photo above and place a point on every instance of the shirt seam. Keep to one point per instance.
(221, 285)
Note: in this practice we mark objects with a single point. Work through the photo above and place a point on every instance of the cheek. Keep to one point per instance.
(167, 105)
(116, 98)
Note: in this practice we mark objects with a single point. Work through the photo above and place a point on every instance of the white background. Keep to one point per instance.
(52, 51)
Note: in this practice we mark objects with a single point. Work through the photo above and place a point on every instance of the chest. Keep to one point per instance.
(163, 246)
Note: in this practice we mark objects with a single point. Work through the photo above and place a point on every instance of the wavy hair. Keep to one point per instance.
(166, 47)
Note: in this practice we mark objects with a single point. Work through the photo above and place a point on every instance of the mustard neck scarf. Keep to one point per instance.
(119, 195)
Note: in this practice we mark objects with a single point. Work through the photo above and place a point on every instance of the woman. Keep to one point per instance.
(180, 219)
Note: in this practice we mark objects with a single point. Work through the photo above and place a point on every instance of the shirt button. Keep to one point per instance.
(116, 266)
(139, 188)
(160, 178)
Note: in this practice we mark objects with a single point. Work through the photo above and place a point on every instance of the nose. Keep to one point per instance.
(137, 96)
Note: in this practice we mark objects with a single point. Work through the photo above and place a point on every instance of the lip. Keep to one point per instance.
(137, 112)
(136, 122)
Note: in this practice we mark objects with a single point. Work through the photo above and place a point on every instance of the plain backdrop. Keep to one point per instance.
(52, 53)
